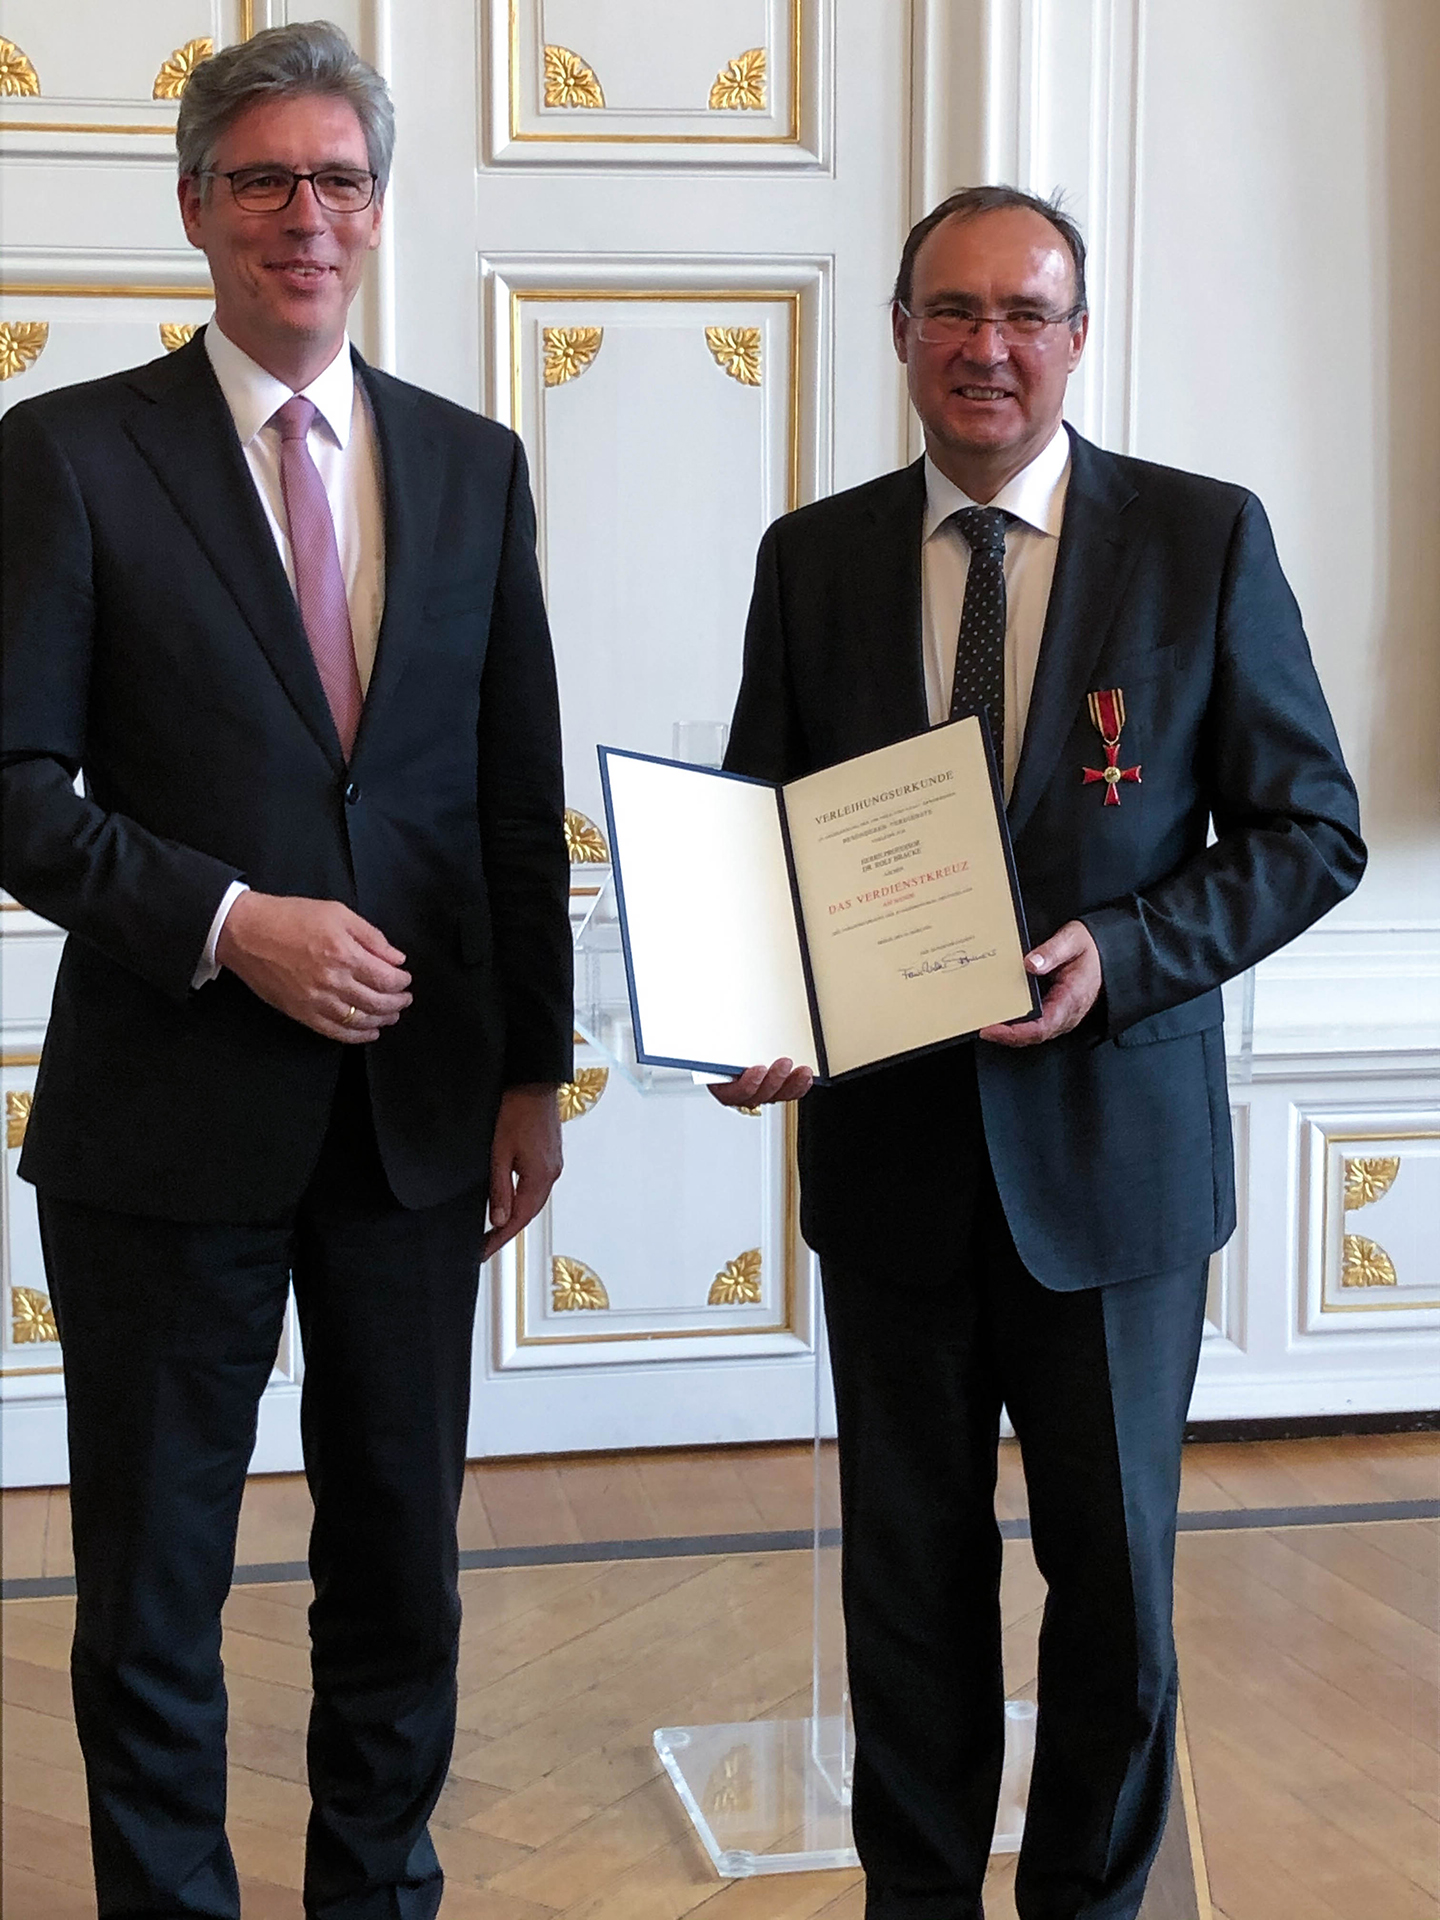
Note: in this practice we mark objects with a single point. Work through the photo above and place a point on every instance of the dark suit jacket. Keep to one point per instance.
(1111, 1146)
(151, 638)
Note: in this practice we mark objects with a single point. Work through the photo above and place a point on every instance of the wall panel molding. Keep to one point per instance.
(744, 87)
(535, 1322)
(1369, 1263)
(112, 82)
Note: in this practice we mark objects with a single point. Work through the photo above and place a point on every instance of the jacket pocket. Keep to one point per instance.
(1191, 1016)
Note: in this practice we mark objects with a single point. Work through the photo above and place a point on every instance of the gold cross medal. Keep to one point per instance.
(1107, 710)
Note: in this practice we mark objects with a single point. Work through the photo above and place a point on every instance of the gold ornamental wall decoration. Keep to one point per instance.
(574, 1287)
(1365, 1264)
(569, 351)
(569, 81)
(18, 77)
(1367, 1180)
(170, 80)
(584, 841)
(21, 344)
(32, 1318)
(736, 351)
(17, 1117)
(175, 334)
(738, 1282)
(741, 84)
(579, 1095)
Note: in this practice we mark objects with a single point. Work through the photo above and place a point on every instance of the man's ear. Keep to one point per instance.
(187, 191)
(897, 333)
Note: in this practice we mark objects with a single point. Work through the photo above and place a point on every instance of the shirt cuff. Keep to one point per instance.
(209, 966)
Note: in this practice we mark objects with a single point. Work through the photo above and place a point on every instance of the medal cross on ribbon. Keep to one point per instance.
(1107, 710)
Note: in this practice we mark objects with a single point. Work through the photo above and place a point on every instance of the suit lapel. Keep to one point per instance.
(188, 439)
(413, 476)
(886, 669)
(1097, 552)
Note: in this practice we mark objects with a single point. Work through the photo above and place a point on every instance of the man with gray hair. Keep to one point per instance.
(284, 613)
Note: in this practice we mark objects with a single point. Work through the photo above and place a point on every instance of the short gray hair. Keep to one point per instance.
(283, 63)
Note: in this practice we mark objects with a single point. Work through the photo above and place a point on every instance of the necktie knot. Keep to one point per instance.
(294, 418)
(983, 528)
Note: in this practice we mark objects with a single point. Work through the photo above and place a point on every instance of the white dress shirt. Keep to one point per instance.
(1036, 497)
(343, 446)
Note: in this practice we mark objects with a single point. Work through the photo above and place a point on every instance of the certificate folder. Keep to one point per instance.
(846, 919)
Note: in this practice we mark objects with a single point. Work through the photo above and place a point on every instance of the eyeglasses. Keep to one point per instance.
(947, 326)
(271, 189)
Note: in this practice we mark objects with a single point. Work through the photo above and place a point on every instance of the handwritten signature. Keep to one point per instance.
(947, 965)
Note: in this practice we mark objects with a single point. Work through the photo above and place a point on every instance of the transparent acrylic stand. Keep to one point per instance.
(602, 997)
(773, 1796)
(1239, 998)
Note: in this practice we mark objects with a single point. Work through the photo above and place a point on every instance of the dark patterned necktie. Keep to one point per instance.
(980, 654)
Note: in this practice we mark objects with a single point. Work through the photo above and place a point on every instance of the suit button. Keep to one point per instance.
(352, 793)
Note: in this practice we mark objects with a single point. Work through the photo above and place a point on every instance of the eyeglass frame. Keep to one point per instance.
(974, 321)
(219, 173)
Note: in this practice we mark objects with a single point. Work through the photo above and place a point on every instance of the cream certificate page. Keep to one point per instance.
(910, 921)
(714, 951)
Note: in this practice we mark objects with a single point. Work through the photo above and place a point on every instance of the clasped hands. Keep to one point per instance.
(323, 965)
(1069, 961)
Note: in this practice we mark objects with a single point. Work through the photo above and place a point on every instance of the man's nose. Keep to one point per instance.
(305, 209)
(984, 343)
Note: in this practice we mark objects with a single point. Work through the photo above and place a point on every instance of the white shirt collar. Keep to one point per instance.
(1035, 495)
(253, 395)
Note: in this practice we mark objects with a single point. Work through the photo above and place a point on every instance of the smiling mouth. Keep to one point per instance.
(984, 393)
(305, 269)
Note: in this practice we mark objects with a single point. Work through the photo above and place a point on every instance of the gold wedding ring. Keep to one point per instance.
(348, 1016)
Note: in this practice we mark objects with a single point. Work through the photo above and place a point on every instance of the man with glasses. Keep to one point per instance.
(1024, 1220)
(284, 613)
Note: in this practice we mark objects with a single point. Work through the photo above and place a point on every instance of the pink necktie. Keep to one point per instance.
(319, 583)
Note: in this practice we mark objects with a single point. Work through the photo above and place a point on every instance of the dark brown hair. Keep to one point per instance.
(971, 201)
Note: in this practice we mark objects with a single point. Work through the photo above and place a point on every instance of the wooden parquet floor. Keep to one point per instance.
(1310, 1660)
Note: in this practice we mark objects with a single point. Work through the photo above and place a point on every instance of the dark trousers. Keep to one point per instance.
(170, 1333)
(1097, 1384)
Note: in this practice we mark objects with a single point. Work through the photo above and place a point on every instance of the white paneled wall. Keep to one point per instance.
(657, 237)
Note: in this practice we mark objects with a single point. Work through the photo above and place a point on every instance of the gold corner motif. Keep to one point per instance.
(17, 1117)
(1369, 1179)
(18, 77)
(579, 1095)
(569, 81)
(741, 84)
(751, 1113)
(584, 841)
(1364, 1263)
(738, 1282)
(175, 334)
(736, 351)
(21, 344)
(170, 80)
(32, 1318)
(569, 351)
(574, 1287)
